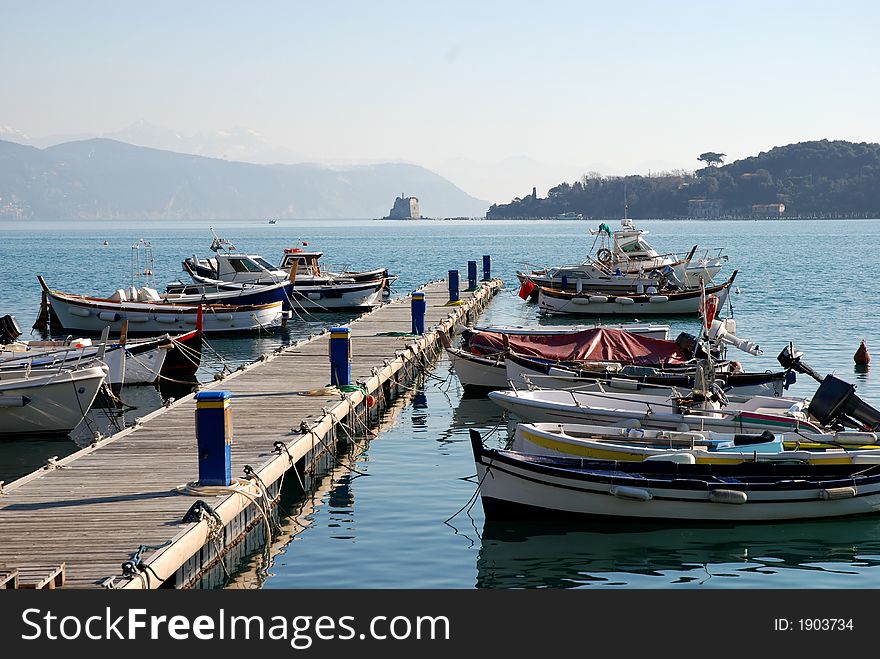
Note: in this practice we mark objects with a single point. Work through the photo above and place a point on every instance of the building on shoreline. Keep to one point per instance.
(705, 208)
(768, 210)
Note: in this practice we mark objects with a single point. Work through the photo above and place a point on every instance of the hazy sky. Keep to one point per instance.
(548, 89)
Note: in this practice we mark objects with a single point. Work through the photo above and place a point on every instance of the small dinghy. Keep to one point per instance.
(522, 485)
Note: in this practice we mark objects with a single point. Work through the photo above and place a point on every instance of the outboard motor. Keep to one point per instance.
(9, 329)
(790, 359)
(835, 402)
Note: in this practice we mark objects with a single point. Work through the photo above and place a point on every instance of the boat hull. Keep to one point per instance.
(552, 301)
(607, 410)
(85, 314)
(521, 372)
(50, 403)
(511, 483)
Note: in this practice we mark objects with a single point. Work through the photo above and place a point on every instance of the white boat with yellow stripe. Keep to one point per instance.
(523, 485)
(692, 447)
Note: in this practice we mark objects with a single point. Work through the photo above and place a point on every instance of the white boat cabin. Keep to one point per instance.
(306, 263)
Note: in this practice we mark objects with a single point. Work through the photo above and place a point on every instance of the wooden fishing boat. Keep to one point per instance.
(686, 302)
(524, 485)
(691, 447)
(81, 313)
(531, 373)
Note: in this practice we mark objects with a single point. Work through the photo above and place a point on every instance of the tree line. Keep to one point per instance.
(812, 179)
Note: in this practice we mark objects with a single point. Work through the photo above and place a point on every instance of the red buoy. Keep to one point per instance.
(862, 357)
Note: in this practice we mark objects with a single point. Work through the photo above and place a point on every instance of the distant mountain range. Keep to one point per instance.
(107, 179)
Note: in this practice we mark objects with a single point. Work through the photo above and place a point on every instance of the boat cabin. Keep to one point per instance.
(306, 262)
(245, 267)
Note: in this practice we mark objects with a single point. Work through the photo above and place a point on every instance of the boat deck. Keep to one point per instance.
(92, 511)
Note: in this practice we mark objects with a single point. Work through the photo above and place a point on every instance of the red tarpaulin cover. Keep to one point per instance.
(599, 344)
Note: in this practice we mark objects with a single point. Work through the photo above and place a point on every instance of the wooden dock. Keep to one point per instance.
(113, 514)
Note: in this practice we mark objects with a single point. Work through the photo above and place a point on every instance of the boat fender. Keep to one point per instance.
(630, 493)
(855, 437)
(314, 296)
(225, 317)
(598, 298)
(728, 496)
(620, 383)
(138, 318)
(629, 423)
(580, 300)
(164, 318)
(659, 298)
(80, 311)
(832, 493)
(110, 316)
(681, 458)
(624, 300)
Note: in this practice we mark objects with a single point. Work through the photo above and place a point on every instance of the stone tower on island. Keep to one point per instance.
(405, 208)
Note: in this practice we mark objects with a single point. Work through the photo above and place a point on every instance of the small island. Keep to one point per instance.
(404, 208)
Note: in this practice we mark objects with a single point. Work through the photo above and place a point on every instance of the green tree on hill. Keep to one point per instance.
(711, 158)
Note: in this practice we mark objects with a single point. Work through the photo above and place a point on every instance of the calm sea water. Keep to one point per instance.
(384, 522)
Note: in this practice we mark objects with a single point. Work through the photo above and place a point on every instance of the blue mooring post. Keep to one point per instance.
(487, 267)
(472, 275)
(418, 307)
(453, 285)
(214, 437)
(340, 356)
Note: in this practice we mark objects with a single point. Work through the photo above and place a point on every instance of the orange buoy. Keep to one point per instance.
(862, 357)
(371, 400)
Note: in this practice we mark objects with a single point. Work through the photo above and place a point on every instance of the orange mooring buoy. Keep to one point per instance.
(862, 357)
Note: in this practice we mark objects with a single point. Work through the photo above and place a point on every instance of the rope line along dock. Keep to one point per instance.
(113, 514)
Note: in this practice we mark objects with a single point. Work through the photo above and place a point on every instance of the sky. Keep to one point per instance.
(496, 96)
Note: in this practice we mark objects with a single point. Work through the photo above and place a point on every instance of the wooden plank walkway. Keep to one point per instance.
(95, 508)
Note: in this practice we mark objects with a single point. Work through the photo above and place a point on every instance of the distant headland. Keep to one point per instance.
(818, 179)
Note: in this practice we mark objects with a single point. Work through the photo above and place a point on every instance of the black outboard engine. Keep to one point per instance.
(790, 359)
(835, 402)
(9, 329)
(689, 346)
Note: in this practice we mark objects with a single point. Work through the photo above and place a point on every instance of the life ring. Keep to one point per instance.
(604, 255)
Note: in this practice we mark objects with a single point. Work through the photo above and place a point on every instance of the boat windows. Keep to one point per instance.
(263, 262)
(244, 265)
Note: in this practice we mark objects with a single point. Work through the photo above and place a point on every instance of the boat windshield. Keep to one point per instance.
(243, 264)
(263, 262)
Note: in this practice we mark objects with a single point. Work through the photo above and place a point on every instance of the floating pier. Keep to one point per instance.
(130, 510)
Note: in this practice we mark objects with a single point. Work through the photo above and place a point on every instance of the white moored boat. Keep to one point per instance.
(534, 486)
(833, 407)
(81, 313)
(47, 401)
(687, 302)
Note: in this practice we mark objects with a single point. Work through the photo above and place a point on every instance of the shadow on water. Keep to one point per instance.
(559, 555)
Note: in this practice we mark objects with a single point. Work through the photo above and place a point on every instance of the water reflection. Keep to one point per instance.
(543, 555)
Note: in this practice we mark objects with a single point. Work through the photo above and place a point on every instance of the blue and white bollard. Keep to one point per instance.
(418, 306)
(487, 267)
(214, 437)
(453, 286)
(472, 275)
(340, 356)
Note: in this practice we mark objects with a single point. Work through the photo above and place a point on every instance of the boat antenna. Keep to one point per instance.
(218, 243)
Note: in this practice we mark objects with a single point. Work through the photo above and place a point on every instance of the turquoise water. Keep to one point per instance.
(384, 526)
